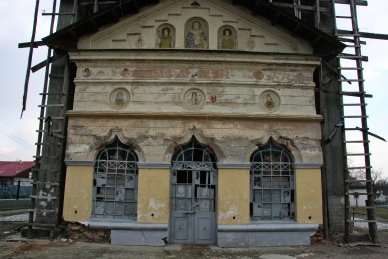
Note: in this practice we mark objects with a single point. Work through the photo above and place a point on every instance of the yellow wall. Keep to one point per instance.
(308, 196)
(233, 196)
(153, 195)
(78, 193)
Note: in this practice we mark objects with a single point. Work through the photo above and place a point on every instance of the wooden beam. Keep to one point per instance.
(296, 29)
(374, 36)
(136, 6)
(358, 2)
(73, 34)
(114, 15)
(302, 7)
(94, 25)
(256, 8)
(28, 44)
(316, 40)
(275, 19)
(43, 63)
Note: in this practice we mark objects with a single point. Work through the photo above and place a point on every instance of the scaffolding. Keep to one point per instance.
(48, 178)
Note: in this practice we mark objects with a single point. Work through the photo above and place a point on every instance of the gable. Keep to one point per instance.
(170, 24)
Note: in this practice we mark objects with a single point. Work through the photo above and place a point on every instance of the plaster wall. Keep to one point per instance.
(78, 193)
(153, 195)
(308, 196)
(154, 139)
(141, 30)
(233, 196)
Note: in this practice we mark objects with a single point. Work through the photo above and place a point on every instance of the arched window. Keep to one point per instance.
(115, 182)
(272, 183)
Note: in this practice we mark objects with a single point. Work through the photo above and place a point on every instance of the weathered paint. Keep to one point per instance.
(308, 196)
(78, 193)
(153, 195)
(233, 196)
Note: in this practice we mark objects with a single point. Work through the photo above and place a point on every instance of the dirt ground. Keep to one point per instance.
(13, 246)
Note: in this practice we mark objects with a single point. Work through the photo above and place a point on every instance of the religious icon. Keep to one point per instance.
(196, 36)
(165, 36)
(140, 42)
(269, 100)
(119, 98)
(194, 99)
(227, 38)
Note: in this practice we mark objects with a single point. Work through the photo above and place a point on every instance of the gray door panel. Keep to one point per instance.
(193, 203)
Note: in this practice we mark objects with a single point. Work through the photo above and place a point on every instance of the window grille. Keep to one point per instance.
(193, 178)
(272, 183)
(115, 182)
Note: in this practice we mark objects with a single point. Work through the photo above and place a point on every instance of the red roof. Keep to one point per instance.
(11, 169)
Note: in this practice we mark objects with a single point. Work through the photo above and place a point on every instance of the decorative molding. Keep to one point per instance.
(192, 114)
(235, 83)
(109, 137)
(186, 137)
(308, 165)
(196, 55)
(153, 165)
(234, 165)
(79, 162)
(288, 143)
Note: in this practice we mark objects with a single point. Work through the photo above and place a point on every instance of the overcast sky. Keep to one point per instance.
(18, 136)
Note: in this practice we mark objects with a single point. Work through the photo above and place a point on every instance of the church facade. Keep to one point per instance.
(195, 123)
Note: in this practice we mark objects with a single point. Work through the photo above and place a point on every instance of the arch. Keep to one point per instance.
(186, 137)
(115, 182)
(164, 40)
(109, 137)
(194, 155)
(272, 185)
(196, 33)
(287, 143)
(193, 183)
(227, 41)
(272, 149)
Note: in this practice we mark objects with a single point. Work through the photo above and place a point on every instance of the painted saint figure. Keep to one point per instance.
(269, 101)
(165, 41)
(119, 100)
(227, 41)
(196, 38)
(194, 98)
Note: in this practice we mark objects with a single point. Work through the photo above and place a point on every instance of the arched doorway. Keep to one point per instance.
(193, 195)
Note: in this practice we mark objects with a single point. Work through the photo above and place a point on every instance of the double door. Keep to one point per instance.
(193, 207)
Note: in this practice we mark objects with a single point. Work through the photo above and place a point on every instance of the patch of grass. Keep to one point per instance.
(380, 212)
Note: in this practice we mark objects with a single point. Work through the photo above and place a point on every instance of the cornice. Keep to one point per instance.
(208, 56)
(206, 115)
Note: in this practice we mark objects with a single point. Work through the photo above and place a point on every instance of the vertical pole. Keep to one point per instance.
(324, 168)
(317, 15)
(368, 173)
(95, 6)
(30, 57)
(18, 191)
(75, 12)
(41, 125)
(31, 214)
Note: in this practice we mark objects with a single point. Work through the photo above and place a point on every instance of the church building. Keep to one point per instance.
(194, 122)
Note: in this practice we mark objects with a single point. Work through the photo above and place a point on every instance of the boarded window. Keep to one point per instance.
(272, 183)
(115, 182)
